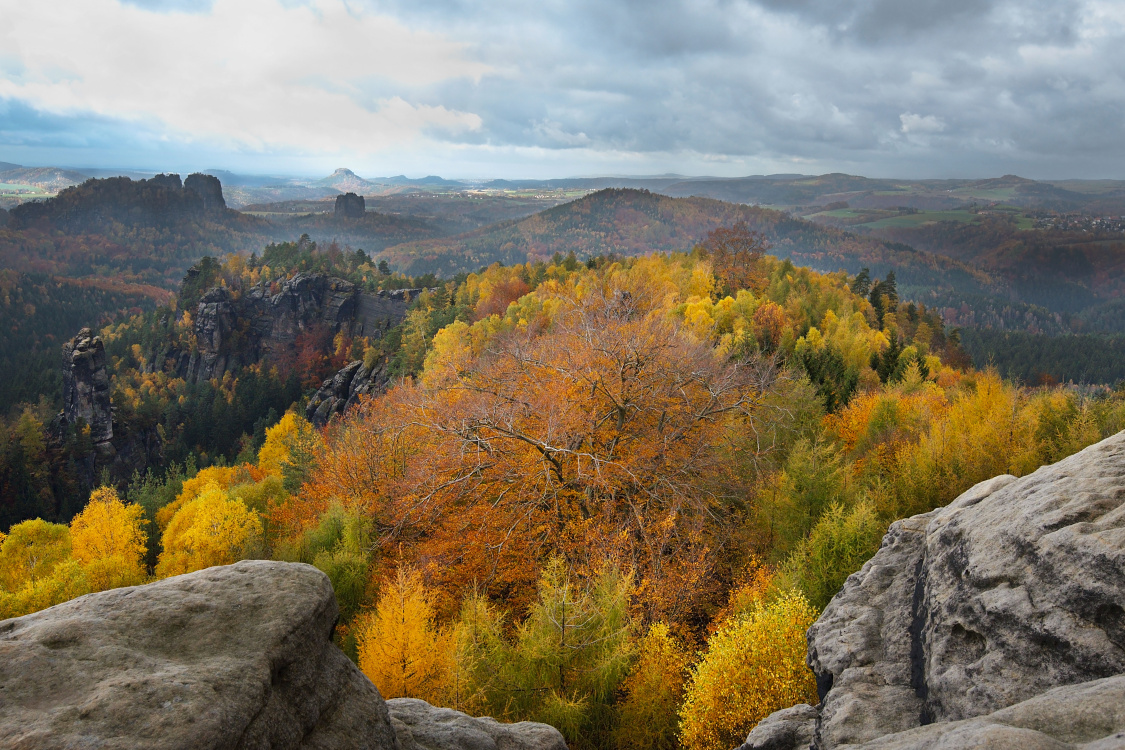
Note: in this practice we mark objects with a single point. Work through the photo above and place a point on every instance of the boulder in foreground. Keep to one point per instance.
(229, 657)
(421, 726)
(997, 621)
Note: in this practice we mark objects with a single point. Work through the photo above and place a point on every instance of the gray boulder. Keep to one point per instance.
(1014, 589)
(783, 730)
(229, 657)
(421, 726)
(1090, 715)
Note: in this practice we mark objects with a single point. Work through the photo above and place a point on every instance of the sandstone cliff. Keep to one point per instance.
(997, 621)
(86, 404)
(86, 385)
(236, 329)
(350, 206)
(342, 391)
(155, 201)
(229, 657)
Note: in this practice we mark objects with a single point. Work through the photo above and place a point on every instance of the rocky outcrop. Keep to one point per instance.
(86, 385)
(234, 329)
(109, 445)
(1090, 716)
(238, 656)
(350, 206)
(234, 657)
(420, 726)
(342, 391)
(157, 201)
(975, 619)
(784, 730)
(209, 190)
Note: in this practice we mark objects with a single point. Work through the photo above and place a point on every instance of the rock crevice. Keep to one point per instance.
(973, 619)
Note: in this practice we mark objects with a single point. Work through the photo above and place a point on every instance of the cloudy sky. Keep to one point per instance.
(549, 88)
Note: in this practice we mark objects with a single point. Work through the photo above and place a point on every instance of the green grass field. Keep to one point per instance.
(923, 217)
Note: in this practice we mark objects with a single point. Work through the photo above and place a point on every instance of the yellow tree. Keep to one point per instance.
(753, 666)
(36, 568)
(401, 648)
(109, 541)
(30, 551)
(648, 717)
(212, 529)
(288, 448)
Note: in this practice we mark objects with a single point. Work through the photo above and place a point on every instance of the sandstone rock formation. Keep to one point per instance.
(350, 206)
(86, 385)
(157, 201)
(997, 621)
(420, 726)
(232, 330)
(209, 190)
(238, 656)
(233, 657)
(342, 391)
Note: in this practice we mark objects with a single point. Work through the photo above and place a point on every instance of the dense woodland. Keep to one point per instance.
(610, 494)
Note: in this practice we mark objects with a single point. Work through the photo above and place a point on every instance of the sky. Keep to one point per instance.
(555, 88)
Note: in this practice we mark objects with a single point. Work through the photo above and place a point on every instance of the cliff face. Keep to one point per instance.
(997, 621)
(86, 385)
(234, 330)
(342, 391)
(350, 206)
(154, 201)
(86, 401)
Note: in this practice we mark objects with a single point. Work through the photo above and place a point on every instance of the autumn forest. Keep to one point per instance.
(609, 494)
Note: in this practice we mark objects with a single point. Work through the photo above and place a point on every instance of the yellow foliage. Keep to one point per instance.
(212, 529)
(223, 476)
(31, 551)
(752, 667)
(67, 581)
(109, 541)
(36, 569)
(653, 690)
(401, 649)
(277, 449)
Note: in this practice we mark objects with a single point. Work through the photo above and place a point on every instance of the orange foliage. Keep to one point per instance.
(601, 437)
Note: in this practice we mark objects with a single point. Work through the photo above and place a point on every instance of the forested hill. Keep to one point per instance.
(629, 222)
(136, 231)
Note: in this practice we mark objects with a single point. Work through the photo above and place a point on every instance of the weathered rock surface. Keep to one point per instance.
(350, 206)
(86, 385)
(230, 657)
(237, 329)
(209, 190)
(157, 201)
(972, 610)
(342, 391)
(782, 730)
(421, 726)
(1090, 715)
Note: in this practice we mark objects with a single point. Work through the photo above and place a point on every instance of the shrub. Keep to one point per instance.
(753, 666)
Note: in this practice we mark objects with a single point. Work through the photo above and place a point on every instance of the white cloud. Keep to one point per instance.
(912, 123)
(251, 73)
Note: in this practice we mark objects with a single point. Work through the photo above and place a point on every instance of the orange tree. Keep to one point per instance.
(599, 431)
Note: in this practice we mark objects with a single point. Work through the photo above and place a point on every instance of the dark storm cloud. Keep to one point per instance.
(936, 85)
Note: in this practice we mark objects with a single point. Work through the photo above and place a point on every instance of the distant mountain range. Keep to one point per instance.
(990, 266)
(779, 190)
